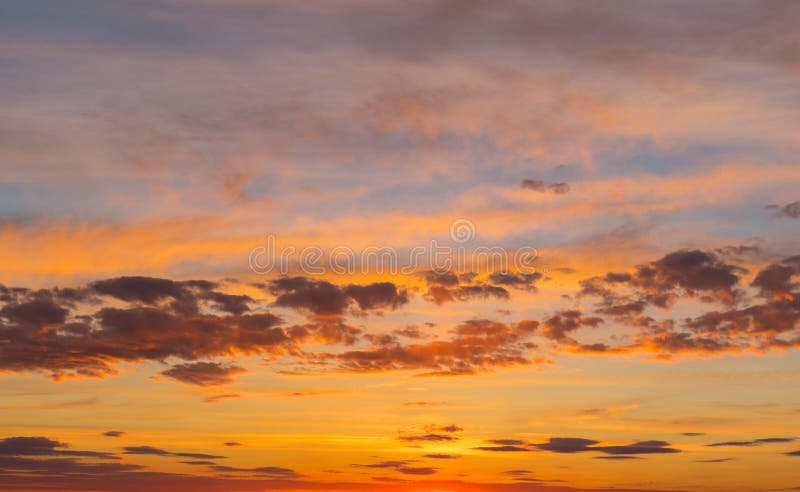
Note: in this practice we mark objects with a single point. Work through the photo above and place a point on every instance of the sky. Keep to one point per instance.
(441, 245)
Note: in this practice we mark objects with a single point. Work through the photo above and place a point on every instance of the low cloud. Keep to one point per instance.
(542, 186)
(149, 450)
(203, 373)
(755, 442)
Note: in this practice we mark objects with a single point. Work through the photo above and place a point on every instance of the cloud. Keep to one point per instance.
(220, 397)
(114, 433)
(423, 403)
(790, 210)
(566, 445)
(324, 298)
(475, 345)
(416, 470)
(379, 295)
(524, 281)
(203, 373)
(88, 330)
(43, 446)
(165, 319)
(541, 186)
(558, 326)
(431, 437)
(444, 287)
(149, 450)
(662, 282)
(401, 466)
(571, 445)
(441, 456)
(755, 442)
(617, 458)
(727, 326)
(384, 464)
(503, 449)
(276, 472)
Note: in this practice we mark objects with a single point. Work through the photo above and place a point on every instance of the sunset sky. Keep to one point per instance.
(615, 187)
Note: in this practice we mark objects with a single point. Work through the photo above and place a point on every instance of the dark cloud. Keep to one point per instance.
(684, 273)
(446, 287)
(416, 470)
(166, 319)
(149, 450)
(695, 274)
(441, 456)
(114, 433)
(385, 464)
(779, 280)
(517, 473)
(277, 472)
(324, 298)
(533, 184)
(203, 373)
(431, 437)
(380, 295)
(319, 297)
(755, 442)
(508, 442)
(503, 449)
(643, 447)
(146, 290)
(790, 210)
(220, 397)
(559, 326)
(580, 445)
(566, 444)
(43, 463)
(34, 313)
(617, 457)
(518, 280)
(541, 186)
(43, 446)
(231, 443)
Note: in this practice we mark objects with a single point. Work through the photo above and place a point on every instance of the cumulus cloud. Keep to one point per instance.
(321, 297)
(86, 331)
(727, 326)
(444, 287)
